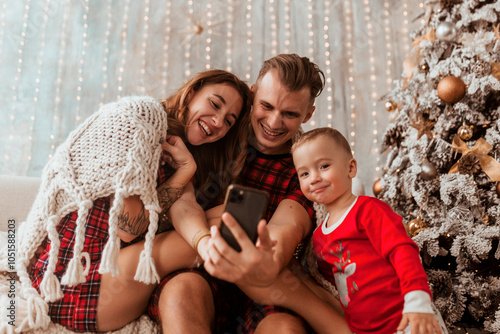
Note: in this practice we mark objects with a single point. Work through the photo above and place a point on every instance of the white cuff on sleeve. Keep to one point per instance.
(417, 301)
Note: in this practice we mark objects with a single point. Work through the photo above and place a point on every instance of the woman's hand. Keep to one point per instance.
(176, 154)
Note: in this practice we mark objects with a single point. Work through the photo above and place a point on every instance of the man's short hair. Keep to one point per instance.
(295, 73)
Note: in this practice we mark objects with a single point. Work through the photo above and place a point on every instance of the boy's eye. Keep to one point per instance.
(304, 174)
(324, 166)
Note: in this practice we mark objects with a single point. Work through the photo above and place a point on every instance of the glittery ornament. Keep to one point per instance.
(390, 106)
(451, 89)
(428, 171)
(416, 226)
(446, 31)
(465, 132)
(461, 215)
(377, 187)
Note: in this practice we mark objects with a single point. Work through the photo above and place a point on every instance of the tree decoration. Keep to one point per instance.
(465, 132)
(490, 166)
(390, 106)
(415, 226)
(495, 70)
(446, 31)
(423, 127)
(377, 187)
(452, 174)
(428, 171)
(451, 89)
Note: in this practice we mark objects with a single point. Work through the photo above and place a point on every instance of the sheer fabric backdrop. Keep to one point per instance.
(61, 60)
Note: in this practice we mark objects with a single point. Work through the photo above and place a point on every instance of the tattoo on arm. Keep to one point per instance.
(167, 196)
(133, 225)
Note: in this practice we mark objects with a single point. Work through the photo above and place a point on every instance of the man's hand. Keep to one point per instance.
(420, 323)
(254, 265)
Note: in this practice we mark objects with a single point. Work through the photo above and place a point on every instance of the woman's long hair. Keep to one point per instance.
(218, 163)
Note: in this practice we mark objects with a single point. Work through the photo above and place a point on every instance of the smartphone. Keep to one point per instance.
(247, 206)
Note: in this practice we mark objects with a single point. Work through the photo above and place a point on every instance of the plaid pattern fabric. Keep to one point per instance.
(276, 175)
(78, 308)
(235, 312)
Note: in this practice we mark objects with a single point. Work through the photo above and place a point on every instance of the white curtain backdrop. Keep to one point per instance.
(60, 60)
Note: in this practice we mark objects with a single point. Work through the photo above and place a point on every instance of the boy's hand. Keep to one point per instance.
(420, 323)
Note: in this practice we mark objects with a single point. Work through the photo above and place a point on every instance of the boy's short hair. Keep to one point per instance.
(335, 135)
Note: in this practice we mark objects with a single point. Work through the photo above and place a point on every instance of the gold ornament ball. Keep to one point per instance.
(377, 187)
(415, 227)
(465, 132)
(428, 171)
(390, 106)
(451, 89)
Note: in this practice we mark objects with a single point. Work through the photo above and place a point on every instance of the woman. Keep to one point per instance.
(207, 131)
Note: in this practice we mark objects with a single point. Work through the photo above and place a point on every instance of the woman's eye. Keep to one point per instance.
(228, 122)
(215, 105)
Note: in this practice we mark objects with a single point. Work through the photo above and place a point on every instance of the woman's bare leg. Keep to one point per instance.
(123, 299)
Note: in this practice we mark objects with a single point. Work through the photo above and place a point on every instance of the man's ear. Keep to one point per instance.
(252, 90)
(309, 114)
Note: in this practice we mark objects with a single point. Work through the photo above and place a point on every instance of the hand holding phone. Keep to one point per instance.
(247, 206)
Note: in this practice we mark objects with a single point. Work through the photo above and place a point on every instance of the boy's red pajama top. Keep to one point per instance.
(373, 263)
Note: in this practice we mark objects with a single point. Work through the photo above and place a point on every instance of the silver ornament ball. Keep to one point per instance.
(446, 31)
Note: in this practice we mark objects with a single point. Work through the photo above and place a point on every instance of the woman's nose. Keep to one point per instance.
(217, 120)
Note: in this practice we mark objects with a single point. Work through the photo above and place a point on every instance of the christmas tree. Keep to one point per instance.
(442, 172)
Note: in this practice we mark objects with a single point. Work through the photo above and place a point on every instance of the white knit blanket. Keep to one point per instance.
(116, 152)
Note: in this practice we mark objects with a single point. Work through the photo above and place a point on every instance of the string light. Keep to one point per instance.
(328, 63)
(123, 56)
(311, 29)
(81, 64)
(60, 66)
(350, 70)
(187, 50)
(388, 45)
(144, 44)
(38, 76)
(209, 36)
(229, 35)
(248, 19)
(168, 31)
(288, 26)
(373, 82)
(274, 29)
(404, 31)
(105, 60)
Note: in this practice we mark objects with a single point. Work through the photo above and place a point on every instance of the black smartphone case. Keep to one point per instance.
(247, 206)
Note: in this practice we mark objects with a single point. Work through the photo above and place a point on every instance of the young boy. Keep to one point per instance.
(362, 246)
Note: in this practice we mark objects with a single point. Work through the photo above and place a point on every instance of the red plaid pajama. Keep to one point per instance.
(78, 308)
(235, 312)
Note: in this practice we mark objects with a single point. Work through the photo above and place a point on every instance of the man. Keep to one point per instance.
(193, 302)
